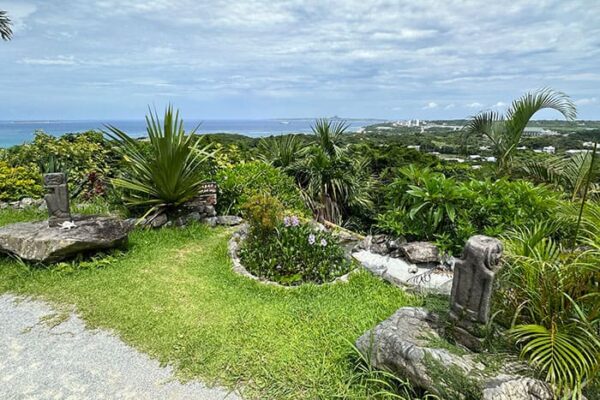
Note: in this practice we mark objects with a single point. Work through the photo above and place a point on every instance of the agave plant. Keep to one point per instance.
(5, 26)
(505, 132)
(168, 173)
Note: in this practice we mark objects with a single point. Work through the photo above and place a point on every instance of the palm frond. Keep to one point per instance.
(5, 26)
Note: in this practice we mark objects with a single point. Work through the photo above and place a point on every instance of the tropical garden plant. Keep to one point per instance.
(505, 132)
(553, 294)
(331, 181)
(289, 250)
(167, 173)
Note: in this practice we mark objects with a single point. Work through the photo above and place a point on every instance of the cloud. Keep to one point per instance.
(232, 58)
(586, 101)
(58, 60)
(475, 105)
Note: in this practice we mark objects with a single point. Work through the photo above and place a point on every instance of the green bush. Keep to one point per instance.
(19, 182)
(287, 250)
(237, 183)
(422, 204)
(77, 154)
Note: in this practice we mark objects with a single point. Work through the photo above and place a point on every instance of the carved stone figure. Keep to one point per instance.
(57, 198)
(472, 288)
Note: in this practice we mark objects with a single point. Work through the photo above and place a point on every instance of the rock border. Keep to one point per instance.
(233, 247)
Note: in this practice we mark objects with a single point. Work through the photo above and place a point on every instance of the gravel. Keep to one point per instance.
(49, 355)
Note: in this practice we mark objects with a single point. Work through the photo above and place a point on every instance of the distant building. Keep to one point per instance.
(475, 157)
(549, 149)
(414, 147)
(588, 144)
(576, 151)
(484, 148)
(522, 148)
(490, 159)
(538, 131)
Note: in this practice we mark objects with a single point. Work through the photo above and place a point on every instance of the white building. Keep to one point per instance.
(549, 149)
(588, 144)
(490, 159)
(414, 147)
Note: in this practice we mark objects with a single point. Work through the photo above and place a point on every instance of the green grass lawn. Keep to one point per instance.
(174, 296)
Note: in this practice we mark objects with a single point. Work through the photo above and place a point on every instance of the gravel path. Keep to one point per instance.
(67, 361)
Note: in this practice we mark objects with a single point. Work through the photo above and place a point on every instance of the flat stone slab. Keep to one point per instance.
(38, 242)
(404, 274)
(68, 361)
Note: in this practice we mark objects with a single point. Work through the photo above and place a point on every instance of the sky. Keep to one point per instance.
(427, 59)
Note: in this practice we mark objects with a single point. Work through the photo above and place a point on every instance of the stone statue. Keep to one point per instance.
(57, 198)
(472, 289)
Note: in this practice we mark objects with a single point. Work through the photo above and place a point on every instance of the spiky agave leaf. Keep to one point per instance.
(167, 175)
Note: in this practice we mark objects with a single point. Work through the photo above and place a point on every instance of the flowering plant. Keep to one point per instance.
(294, 253)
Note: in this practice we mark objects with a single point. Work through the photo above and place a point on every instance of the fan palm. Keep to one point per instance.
(505, 132)
(167, 174)
(331, 182)
(5, 26)
(281, 151)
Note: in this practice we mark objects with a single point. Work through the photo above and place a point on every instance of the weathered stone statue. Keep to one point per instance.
(57, 198)
(472, 289)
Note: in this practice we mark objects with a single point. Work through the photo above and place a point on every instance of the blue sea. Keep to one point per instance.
(18, 132)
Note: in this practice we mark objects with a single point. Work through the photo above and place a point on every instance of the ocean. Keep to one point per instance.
(18, 132)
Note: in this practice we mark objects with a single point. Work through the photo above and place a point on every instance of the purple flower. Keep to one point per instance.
(311, 239)
(323, 242)
(295, 221)
(287, 222)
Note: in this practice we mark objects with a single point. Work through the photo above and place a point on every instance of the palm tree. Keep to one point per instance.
(5, 29)
(281, 151)
(331, 181)
(505, 132)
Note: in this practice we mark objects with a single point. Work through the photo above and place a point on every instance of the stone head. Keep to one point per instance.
(55, 179)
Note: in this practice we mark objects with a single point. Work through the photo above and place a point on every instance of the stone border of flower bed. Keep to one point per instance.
(233, 247)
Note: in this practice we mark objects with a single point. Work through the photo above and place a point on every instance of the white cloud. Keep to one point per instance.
(58, 60)
(430, 105)
(449, 106)
(499, 104)
(586, 101)
(475, 105)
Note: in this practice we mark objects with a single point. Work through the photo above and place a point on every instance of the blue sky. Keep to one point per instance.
(216, 59)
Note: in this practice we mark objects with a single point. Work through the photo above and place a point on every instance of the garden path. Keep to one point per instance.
(50, 355)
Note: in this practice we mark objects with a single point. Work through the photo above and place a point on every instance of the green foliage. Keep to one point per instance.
(19, 182)
(263, 212)
(5, 26)
(506, 132)
(281, 151)
(293, 252)
(237, 183)
(423, 204)
(553, 294)
(331, 181)
(76, 154)
(170, 173)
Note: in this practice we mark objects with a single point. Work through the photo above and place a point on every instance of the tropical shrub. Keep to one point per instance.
(168, 172)
(289, 251)
(332, 182)
(238, 182)
(76, 154)
(553, 296)
(422, 204)
(19, 182)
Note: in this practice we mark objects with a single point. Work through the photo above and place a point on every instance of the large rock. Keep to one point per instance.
(408, 344)
(38, 242)
(421, 252)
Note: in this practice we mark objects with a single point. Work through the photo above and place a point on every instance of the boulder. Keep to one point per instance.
(421, 252)
(229, 220)
(38, 242)
(407, 344)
